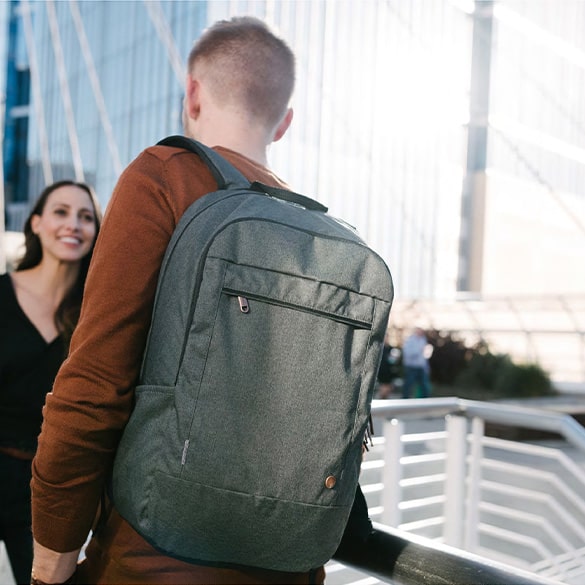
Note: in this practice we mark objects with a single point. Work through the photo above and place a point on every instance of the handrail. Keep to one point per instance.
(500, 413)
(401, 558)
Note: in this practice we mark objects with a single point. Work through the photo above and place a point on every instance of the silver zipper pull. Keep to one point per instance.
(244, 306)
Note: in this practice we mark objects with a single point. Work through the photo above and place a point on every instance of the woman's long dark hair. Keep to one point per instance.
(67, 313)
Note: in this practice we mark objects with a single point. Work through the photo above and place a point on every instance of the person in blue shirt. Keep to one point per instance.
(415, 361)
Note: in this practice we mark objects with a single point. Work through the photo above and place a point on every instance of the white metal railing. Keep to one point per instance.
(434, 473)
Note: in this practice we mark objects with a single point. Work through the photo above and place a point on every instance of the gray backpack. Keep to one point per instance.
(245, 443)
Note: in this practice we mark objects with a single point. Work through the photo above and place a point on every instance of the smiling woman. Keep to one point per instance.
(40, 303)
(59, 235)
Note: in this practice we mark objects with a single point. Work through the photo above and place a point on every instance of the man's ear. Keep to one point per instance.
(283, 125)
(192, 97)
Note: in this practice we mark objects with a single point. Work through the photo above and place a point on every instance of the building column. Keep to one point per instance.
(473, 192)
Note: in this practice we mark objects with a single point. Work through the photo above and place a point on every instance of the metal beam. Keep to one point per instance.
(36, 87)
(65, 93)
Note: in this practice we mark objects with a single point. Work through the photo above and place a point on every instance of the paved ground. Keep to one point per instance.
(6, 577)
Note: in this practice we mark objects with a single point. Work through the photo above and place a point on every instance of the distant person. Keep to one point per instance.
(39, 308)
(415, 361)
(387, 372)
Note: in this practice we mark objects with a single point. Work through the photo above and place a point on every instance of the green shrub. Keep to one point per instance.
(522, 381)
(482, 370)
(475, 372)
(449, 356)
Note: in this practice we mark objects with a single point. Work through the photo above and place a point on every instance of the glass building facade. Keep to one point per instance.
(423, 123)
(4, 11)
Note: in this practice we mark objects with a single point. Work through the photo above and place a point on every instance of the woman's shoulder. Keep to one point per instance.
(7, 294)
(5, 281)
(21, 278)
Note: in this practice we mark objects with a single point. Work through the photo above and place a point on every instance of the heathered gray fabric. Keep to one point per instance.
(241, 417)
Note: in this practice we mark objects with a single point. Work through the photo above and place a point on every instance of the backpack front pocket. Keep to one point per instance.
(274, 417)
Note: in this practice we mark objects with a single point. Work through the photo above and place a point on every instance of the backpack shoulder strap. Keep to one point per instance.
(225, 174)
(228, 177)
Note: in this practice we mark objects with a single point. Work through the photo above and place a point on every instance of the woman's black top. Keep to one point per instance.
(28, 366)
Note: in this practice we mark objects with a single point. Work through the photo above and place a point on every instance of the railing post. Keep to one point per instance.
(455, 481)
(392, 494)
(474, 489)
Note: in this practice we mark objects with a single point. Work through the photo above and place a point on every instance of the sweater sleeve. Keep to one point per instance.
(92, 396)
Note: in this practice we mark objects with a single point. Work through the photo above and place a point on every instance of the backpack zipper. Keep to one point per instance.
(244, 302)
(244, 305)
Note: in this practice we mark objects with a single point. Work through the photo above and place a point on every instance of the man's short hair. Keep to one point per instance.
(248, 66)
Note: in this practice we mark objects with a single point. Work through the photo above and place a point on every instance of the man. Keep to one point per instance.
(415, 353)
(239, 83)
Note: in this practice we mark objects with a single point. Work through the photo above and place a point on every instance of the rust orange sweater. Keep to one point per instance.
(92, 398)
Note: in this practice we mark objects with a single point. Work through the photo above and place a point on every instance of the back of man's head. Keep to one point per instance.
(247, 67)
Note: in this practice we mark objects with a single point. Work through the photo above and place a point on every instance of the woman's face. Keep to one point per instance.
(67, 224)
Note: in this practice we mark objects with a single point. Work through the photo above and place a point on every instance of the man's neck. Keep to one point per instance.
(247, 140)
(242, 146)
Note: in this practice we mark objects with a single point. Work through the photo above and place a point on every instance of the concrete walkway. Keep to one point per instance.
(6, 577)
